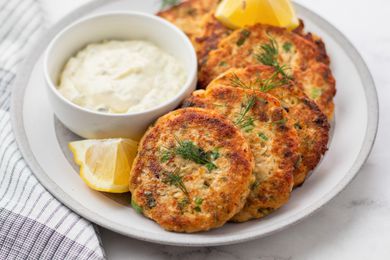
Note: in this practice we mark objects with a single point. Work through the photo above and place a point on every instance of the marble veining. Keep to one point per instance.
(361, 203)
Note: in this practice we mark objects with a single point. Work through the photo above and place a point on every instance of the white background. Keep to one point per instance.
(356, 224)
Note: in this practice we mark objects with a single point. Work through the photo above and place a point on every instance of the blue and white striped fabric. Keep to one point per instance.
(33, 224)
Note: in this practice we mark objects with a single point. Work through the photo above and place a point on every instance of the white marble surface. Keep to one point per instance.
(356, 224)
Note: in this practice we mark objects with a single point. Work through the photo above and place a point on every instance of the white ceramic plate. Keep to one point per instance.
(42, 140)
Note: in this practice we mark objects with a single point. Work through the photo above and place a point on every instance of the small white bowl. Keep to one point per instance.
(115, 26)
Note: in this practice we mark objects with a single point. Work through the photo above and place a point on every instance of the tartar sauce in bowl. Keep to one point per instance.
(121, 77)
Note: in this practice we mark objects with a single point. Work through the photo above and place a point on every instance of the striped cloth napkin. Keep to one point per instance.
(33, 224)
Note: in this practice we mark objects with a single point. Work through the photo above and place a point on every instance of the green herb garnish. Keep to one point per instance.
(189, 151)
(271, 83)
(243, 36)
(255, 185)
(165, 156)
(210, 166)
(267, 54)
(237, 82)
(198, 203)
(136, 207)
(315, 93)
(174, 178)
(248, 125)
(280, 122)
(297, 126)
(214, 155)
(183, 203)
(222, 64)
(150, 201)
(260, 84)
(244, 121)
(287, 46)
(263, 136)
(168, 3)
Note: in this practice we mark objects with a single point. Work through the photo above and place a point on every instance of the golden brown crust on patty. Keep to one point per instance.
(213, 31)
(272, 139)
(322, 53)
(238, 51)
(184, 195)
(311, 124)
(319, 84)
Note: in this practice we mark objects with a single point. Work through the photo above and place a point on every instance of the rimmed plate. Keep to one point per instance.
(43, 142)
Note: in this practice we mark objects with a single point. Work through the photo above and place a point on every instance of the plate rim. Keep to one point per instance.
(23, 76)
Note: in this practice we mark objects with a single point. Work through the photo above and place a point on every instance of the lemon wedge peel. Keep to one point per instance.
(105, 164)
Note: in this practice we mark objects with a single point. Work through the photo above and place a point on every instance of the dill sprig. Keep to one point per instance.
(237, 82)
(271, 83)
(264, 85)
(280, 122)
(267, 54)
(174, 178)
(248, 124)
(165, 155)
(168, 3)
(243, 37)
(198, 203)
(263, 136)
(287, 46)
(189, 151)
(244, 121)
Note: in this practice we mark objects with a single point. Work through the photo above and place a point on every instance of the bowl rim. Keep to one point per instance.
(190, 81)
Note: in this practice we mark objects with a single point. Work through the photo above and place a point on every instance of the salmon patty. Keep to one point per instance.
(197, 19)
(294, 57)
(273, 142)
(212, 32)
(193, 171)
(310, 123)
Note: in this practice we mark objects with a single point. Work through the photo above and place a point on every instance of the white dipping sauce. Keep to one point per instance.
(121, 77)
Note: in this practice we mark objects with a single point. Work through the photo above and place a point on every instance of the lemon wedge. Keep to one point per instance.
(105, 164)
(240, 13)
